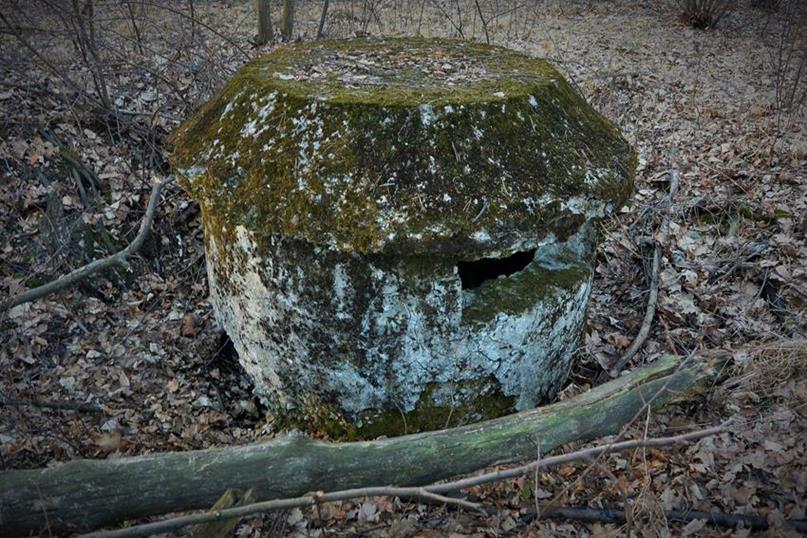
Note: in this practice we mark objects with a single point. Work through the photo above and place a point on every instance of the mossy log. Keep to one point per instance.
(88, 494)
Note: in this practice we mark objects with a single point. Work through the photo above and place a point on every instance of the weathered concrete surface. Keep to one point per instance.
(342, 184)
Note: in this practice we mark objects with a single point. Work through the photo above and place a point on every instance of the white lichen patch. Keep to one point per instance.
(426, 114)
(591, 208)
(192, 172)
(538, 345)
(257, 122)
(230, 106)
(481, 236)
(394, 329)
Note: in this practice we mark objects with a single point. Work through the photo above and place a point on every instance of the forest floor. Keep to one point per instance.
(141, 343)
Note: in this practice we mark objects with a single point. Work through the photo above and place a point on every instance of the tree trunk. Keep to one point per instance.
(88, 494)
(84, 15)
(287, 20)
(262, 8)
(322, 17)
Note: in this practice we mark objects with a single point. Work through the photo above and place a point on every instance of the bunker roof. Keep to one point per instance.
(406, 145)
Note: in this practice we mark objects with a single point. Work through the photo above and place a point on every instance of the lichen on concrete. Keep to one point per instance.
(341, 182)
(405, 155)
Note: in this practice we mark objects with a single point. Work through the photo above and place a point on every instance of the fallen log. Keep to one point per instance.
(88, 494)
(428, 494)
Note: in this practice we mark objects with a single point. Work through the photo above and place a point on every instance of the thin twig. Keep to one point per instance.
(536, 475)
(652, 300)
(49, 65)
(172, 524)
(554, 461)
(119, 258)
(433, 492)
(625, 499)
(194, 21)
(646, 405)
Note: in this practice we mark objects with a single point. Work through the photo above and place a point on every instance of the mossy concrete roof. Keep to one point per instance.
(402, 145)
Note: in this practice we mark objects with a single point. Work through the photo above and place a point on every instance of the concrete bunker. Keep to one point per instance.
(399, 232)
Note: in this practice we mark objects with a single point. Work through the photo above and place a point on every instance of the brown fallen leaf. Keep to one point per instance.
(190, 326)
(108, 441)
(621, 341)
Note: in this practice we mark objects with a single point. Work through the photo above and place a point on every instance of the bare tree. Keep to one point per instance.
(83, 23)
(789, 62)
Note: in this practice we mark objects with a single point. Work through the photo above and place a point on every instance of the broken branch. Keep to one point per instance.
(652, 300)
(119, 258)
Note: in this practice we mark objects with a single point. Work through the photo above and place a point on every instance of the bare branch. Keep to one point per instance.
(193, 20)
(554, 461)
(119, 258)
(49, 65)
(655, 270)
(484, 22)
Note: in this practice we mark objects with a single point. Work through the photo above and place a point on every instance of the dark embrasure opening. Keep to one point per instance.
(473, 274)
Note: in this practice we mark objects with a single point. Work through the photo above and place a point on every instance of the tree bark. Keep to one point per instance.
(322, 17)
(429, 494)
(88, 494)
(287, 20)
(262, 8)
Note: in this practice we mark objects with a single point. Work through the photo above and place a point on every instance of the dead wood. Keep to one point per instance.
(652, 300)
(432, 492)
(87, 494)
(118, 258)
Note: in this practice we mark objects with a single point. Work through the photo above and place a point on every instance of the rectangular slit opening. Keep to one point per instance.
(474, 273)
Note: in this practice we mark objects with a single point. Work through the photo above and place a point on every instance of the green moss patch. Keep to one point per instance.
(476, 400)
(520, 292)
(402, 146)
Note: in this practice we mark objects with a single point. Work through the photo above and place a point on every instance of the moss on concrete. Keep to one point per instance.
(340, 184)
(400, 160)
(521, 291)
(476, 400)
